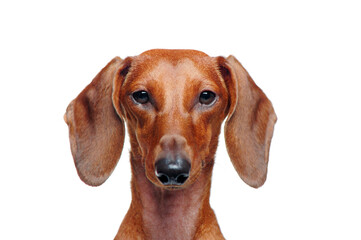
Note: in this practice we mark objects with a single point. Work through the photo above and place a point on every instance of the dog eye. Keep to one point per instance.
(141, 97)
(207, 97)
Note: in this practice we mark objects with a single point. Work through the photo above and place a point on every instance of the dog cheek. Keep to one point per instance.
(202, 137)
(211, 136)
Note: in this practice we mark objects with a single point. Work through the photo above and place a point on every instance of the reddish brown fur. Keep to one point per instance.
(174, 79)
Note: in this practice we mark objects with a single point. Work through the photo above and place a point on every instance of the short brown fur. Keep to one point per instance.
(174, 80)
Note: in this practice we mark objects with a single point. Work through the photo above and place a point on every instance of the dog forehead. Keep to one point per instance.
(174, 65)
(183, 70)
(173, 53)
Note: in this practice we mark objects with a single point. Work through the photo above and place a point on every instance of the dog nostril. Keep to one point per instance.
(182, 178)
(163, 178)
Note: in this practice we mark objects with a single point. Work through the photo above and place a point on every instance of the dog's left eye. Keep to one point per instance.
(207, 97)
(141, 97)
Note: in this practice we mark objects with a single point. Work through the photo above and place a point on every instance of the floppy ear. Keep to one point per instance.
(250, 122)
(96, 132)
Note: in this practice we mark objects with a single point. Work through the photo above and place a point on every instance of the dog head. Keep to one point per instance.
(174, 103)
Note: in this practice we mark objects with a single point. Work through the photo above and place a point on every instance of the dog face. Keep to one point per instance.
(174, 104)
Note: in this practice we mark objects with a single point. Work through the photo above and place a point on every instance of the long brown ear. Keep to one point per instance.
(96, 132)
(249, 127)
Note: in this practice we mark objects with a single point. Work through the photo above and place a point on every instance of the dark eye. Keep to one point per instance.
(207, 97)
(141, 97)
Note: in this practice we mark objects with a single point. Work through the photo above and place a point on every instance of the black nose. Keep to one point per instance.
(172, 172)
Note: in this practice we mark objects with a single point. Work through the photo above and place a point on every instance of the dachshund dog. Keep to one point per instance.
(173, 103)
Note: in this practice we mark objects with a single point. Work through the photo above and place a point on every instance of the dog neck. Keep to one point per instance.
(170, 214)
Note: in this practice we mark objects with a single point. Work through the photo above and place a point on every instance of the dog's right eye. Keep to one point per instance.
(141, 97)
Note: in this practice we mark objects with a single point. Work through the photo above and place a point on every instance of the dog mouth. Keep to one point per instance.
(173, 188)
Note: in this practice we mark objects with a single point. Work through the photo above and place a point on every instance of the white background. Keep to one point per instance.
(305, 55)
